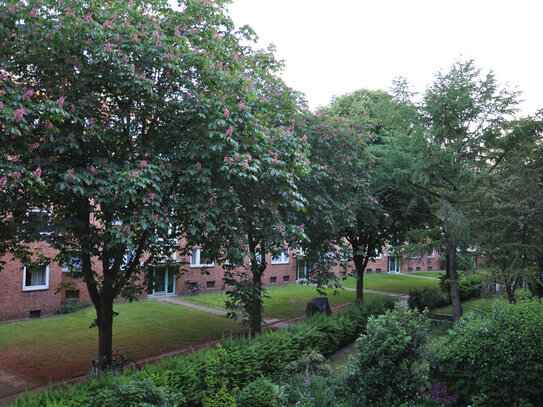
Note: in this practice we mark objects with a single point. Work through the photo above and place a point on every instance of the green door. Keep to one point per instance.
(163, 282)
(394, 264)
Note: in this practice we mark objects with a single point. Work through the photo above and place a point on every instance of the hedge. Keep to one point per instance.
(247, 358)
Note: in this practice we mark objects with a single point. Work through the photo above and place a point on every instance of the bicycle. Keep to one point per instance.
(192, 288)
(119, 363)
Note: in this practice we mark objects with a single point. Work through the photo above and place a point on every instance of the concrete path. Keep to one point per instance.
(12, 385)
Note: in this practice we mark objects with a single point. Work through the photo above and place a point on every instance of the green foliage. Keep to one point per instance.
(471, 284)
(128, 392)
(311, 390)
(535, 283)
(312, 363)
(69, 307)
(260, 393)
(389, 368)
(243, 360)
(493, 355)
(426, 297)
(218, 393)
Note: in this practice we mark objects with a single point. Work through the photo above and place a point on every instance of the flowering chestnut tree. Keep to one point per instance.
(140, 94)
(247, 182)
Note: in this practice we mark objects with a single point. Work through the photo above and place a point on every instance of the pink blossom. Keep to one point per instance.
(374, 199)
(364, 113)
(3, 75)
(126, 230)
(155, 217)
(304, 138)
(71, 137)
(1, 106)
(93, 170)
(108, 47)
(60, 101)
(353, 218)
(143, 75)
(241, 105)
(106, 25)
(229, 131)
(126, 23)
(69, 175)
(143, 164)
(301, 227)
(102, 190)
(245, 164)
(203, 218)
(48, 124)
(340, 179)
(348, 204)
(279, 228)
(3, 181)
(34, 13)
(155, 35)
(133, 68)
(348, 159)
(37, 172)
(88, 18)
(125, 59)
(235, 56)
(177, 33)
(28, 95)
(151, 196)
(18, 114)
(198, 166)
(325, 137)
(34, 146)
(117, 38)
(217, 36)
(91, 122)
(275, 160)
(226, 112)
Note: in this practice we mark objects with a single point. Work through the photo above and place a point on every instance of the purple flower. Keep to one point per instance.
(1, 106)
(3, 181)
(34, 146)
(198, 166)
(229, 131)
(60, 101)
(143, 164)
(34, 13)
(37, 172)
(108, 47)
(226, 112)
(48, 124)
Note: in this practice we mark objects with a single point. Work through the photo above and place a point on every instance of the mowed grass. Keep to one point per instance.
(434, 274)
(393, 283)
(285, 301)
(63, 346)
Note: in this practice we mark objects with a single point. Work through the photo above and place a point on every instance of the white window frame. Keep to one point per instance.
(378, 255)
(282, 258)
(48, 218)
(431, 254)
(195, 259)
(36, 287)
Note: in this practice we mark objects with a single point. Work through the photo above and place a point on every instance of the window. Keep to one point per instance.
(431, 254)
(281, 258)
(286, 278)
(210, 284)
(378, 255)
(39, 221)
(73, 264)
(198, 258)
(36, 280)
(273, 279)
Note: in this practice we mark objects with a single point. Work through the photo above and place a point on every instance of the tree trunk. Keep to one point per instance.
(256, 312)
(359, 267)
(453, 278)
(104, 319)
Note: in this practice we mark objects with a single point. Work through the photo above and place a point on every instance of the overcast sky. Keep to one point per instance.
(335, 47)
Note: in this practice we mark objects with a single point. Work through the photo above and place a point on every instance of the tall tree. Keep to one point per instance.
(139, 89)
(463, 115)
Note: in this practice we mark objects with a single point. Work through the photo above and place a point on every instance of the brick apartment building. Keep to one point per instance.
(24, 294)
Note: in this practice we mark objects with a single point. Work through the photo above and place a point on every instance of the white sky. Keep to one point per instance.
(333, 47)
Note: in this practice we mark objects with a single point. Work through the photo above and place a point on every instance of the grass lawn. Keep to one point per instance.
(62, 346)
(285, 301)
(394, 283)
(468, 305)
(435, 274)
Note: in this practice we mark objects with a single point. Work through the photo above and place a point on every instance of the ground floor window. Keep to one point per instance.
(36, 278)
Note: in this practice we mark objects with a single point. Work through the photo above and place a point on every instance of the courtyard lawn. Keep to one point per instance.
(285, 301)
(63, 346)
(393, 283)
(435, 274)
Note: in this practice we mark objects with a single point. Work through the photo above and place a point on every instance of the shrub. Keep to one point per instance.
(494, 355)
(313, 363)
(388, 368)
(131, 392)
(260, 393)
(471, 285)
(426, 297)
(535, 283)
(218, 393)
(70, 307)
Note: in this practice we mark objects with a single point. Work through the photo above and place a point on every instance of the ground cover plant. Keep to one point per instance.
(284, 301)
(434, 274)
(243, 361)
(137, 328)
(391, 283)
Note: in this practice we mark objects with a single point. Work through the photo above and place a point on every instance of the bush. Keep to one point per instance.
(260, 393)
(129, 392)
(388, 368)
(471, 285)
(70, 307)
(535, 283)
(426, 297)
(494, 355)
